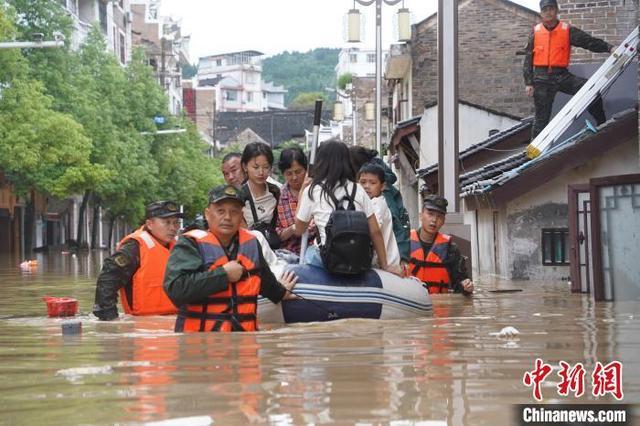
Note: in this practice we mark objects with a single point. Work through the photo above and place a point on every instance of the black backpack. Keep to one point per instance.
(347, 249)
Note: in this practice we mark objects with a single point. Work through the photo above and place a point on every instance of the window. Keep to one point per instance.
(555, 246)
(249, 96)
(102, 13)
(218, 62)
(353, 58)
(123, 50)
(371, 58)
(230, 95)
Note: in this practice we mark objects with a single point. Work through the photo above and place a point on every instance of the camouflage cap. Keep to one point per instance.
(544, 3)
(435, 202)
(225, 192)
(163, 209)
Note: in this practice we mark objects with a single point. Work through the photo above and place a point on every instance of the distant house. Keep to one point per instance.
(414, 144)
(271, 127)
(165, 47)
(113, 18)
(273, 96)
(361, 64)
(237, 77)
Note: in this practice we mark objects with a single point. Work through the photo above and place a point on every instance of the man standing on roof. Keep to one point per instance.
(435, 259)
(546, 61)
(137, 267)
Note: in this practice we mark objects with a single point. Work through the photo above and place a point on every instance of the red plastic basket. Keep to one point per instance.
(61, 306)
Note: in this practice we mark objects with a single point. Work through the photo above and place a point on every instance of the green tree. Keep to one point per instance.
(185, 174)
(344, 79)
(40, 149)
(300, 72)
(189, 71)
(50, 66)
(307, 100)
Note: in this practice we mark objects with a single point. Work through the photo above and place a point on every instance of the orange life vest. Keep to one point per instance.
(551, 48)
(147, 295)
(430, 267)
(233, 309)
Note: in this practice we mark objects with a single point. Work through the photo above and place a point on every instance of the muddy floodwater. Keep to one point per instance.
(449, 368)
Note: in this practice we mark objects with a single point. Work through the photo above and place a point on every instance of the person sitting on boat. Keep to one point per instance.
(435, 259)
(401, 225)
(261, 197)
(293, 165)
(334, 179)
(137, 267)
(215, 276)
(371, 177)
(232, 170)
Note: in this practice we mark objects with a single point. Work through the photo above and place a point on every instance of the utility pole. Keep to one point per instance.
(163, 65)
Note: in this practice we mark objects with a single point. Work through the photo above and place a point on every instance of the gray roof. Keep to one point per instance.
(275, 127)
(497, 174)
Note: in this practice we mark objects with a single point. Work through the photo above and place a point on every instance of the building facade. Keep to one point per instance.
(237, 77)
(114, 19)
(165, 47)
(491, 33)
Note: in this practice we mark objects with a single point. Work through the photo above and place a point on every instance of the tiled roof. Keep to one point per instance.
(275, 127)
(494, 175)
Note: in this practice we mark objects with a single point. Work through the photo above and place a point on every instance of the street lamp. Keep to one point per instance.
(338, 107)
(353, 36)
(38, 42)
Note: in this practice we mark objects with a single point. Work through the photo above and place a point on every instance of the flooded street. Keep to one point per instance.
(451, 367)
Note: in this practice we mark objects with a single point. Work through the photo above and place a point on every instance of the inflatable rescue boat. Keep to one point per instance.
(324, 297)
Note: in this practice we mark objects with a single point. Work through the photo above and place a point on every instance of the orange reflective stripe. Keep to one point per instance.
(147, 295)
(551, 48)
(435, 275)
(234, 307)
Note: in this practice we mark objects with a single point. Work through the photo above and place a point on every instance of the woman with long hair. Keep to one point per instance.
(261, 197)
(334, 179)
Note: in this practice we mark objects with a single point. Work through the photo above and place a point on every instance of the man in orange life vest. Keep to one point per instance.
(434, 258)
(215, 276)
(137, 267)
(546, 60)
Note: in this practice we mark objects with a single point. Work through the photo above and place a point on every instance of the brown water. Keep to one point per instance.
(450, 368)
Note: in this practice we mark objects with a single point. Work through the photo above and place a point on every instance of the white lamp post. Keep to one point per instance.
(353, 36)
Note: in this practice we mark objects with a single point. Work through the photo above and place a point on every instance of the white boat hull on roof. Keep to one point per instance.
(376, 295)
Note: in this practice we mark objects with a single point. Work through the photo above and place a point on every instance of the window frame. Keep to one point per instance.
(553, 234)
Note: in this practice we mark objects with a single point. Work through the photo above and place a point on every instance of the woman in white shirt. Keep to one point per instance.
(261, 197)
(333, 172)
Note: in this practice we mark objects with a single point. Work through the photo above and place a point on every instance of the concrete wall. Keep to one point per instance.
(365, 88)
(473, 127)
(547, 207)
(490, 74)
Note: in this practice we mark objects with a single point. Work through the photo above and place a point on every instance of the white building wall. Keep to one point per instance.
(474, 125)
(362, 66)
